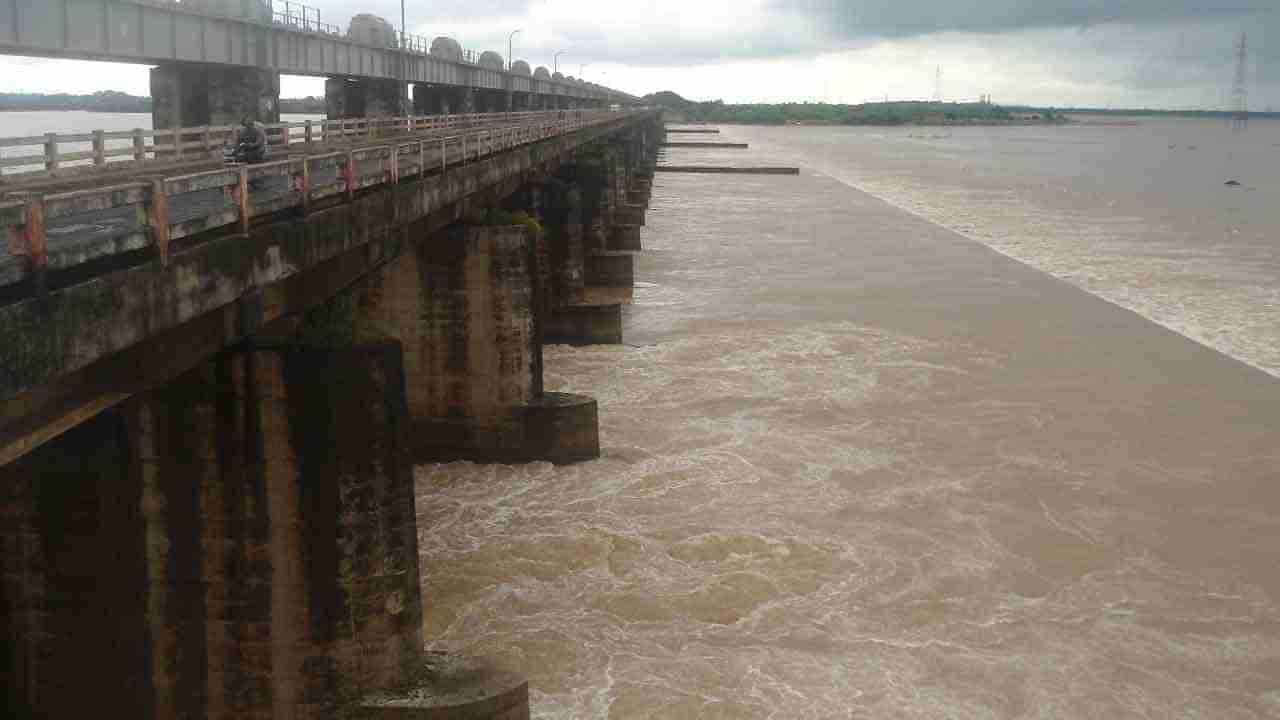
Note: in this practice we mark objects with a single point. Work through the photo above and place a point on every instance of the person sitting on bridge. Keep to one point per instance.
(251, 145)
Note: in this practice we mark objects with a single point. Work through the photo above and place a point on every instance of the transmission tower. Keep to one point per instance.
(937, 86)
(1239, 91)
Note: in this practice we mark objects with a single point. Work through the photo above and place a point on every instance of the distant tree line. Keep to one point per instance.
(888, 113)
(104, 101)
(111, 101)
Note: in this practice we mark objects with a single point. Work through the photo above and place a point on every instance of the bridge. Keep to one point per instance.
(217, 378)
(219, 60)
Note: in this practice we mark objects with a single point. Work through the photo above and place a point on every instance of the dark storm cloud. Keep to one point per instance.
(897, 18)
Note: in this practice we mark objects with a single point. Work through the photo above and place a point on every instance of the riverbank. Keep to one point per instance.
(856, 463)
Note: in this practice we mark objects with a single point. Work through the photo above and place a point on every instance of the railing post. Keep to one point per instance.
(310, 137)
(242, 197)
(34, 241)
(444, 156)
(422, 158)
(306, 185)
(99, 148)
(139, 146)
(51, 151)
(158, 218)
(349, 174)
(395, 164)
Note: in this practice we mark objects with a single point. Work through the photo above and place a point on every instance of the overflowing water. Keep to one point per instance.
(1138, 214)
(858, 465)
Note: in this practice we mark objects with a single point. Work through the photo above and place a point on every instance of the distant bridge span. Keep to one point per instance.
(272, 35)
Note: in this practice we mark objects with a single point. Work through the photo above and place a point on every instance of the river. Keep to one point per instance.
(963, 423)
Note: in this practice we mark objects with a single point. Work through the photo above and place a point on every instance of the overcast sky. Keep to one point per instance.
(1119, 53)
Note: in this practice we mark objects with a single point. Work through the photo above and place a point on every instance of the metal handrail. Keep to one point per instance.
(300, 17)
(23, 218)
(201, 142)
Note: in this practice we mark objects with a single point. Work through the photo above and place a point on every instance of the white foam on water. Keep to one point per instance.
(1224, 294)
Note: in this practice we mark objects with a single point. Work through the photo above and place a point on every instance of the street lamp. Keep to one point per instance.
(509, 38)
(404, 66)
(555, 60)
(583, 65)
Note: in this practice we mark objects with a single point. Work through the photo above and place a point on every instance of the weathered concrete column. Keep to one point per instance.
(363, 97)
(568, 317)
(464, 304)
(74, 580)
(194, 94)
(429, 100)
(592, 173)
(239, 543)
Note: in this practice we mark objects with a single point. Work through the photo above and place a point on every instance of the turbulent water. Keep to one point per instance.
(858, 465)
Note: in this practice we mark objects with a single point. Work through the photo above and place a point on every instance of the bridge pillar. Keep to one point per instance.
(193, 94)
(610, 244)
(436, 100)
(464, 304)
(568, 316)
(238, 543)
(363, 98)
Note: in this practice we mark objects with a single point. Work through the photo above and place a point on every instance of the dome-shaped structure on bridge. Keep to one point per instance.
(491, 60)
(446, 48)
(520, 67)
(542, 73)
(558, 77)
(372, 30)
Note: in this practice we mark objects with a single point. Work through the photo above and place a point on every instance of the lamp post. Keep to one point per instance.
(511, 59)
(555, 60)
(404, 66)
(580, 67)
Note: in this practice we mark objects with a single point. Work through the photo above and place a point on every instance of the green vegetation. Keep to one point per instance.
(498, 216)
(889, 113)
(105, 101)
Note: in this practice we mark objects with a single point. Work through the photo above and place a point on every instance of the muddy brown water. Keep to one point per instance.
(856, 464)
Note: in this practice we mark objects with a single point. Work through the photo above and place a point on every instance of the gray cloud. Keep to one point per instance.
(896, 18)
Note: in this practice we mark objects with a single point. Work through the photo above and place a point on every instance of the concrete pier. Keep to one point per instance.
(624, 236)
(611, 269)
(463, 303)
(363, 98)
(192, 94)
(237, 544)
(568, 318)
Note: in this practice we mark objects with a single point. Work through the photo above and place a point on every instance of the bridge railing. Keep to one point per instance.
(57, 155)
(154, 211)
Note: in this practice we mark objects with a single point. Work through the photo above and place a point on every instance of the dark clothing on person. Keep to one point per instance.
(251, 146)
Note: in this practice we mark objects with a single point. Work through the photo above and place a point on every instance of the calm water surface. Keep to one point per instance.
(859, 465)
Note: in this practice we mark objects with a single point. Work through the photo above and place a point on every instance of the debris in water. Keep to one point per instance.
(1232, 183)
